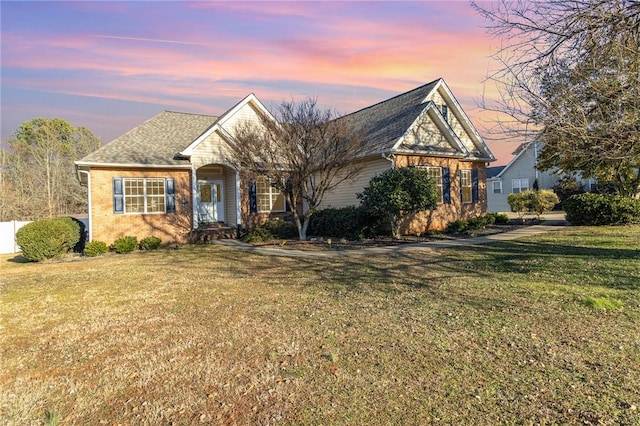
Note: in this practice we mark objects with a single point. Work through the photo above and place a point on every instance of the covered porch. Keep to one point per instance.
(216, 202)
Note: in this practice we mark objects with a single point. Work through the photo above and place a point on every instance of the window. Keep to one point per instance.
(143, 195)
(465, 186)
(519, 185)
(497, 186)
(269, 198)
(435, 173)
(445, 112)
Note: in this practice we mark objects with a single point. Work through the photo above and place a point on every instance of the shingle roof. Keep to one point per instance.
(385, 122)
(494, 171)
(154, 142)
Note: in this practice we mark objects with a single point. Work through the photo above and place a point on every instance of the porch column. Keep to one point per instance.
(194, 196)
(238, 200)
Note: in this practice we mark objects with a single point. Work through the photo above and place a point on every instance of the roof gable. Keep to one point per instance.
(388, 125)
(384, 123)
(224, 124)
(461, 123)
(430, 134)
(518, 153)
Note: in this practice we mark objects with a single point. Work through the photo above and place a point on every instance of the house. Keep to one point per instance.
(520, 175)
(425, 127)
(168, 177)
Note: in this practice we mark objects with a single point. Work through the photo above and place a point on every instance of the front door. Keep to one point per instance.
(210, 202)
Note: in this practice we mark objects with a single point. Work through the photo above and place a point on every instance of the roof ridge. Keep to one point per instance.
(188, 113)
(393, 97)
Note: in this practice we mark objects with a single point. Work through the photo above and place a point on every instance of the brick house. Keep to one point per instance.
(168, 176)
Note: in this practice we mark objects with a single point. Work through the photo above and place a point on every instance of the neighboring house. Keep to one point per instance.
(168, 176)
(520, 175)
(425, 127)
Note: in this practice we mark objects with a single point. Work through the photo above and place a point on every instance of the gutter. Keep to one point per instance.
(390, 158)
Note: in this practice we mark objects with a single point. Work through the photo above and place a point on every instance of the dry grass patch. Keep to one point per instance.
(206, 335)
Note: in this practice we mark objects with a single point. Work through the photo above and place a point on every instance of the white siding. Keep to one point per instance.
(246, 113)
(522, 167)
(209, 151)
(345, 194)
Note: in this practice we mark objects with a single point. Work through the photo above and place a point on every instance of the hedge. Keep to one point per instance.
(601, 209)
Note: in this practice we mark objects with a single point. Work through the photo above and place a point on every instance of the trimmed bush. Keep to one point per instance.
(536, 202)
(351, 223)
(125, 244)
(499, 218)
(95, 248)
(601, 209)
(479, 222)
(281, 229)
(457, 226)
(149, 243)
(48, 238)
(258, 235)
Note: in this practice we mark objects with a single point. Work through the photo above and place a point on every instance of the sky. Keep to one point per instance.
(111, 65)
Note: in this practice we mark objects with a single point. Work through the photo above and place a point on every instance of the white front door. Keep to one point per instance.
(210, 201)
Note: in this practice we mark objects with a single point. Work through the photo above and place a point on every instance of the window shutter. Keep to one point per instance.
(287, 206)
(474, 186)
(460, 181)
(253, 199)
(118, 196)
(446, 185)
(170, 195)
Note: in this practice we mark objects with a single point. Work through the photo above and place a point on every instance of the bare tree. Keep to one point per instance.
(304, 153)
(570, 75)
(38, 172)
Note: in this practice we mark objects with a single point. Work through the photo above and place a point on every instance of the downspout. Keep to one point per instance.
(238, 200)
(88, 200)
(390, 158)
(194, 198)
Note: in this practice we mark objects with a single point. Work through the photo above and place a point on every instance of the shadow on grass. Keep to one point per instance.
(18, 259)
(615, 268)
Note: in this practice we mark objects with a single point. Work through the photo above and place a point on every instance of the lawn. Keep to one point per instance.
(544, 330)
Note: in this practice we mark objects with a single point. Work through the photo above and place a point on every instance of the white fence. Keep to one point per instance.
(8, 236)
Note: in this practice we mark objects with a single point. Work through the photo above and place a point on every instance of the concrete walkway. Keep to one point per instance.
(553, 222)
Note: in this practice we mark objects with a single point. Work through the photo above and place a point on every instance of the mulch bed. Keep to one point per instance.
(321, 243)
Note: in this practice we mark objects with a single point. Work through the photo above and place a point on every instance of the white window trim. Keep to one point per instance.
(493, 186)
(518, 183)
(144, 186)
(439, 184)
(273, 194)
(470, 186)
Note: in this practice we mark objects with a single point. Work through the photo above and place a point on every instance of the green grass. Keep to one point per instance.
(497, 334)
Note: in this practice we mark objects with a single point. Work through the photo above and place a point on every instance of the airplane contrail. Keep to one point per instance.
(153, 40)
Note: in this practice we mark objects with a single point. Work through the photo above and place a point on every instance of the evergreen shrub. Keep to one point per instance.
(351, 223)
(601, 209)
(125, 244)
(48, 238)
(95, 248)
(149, 243)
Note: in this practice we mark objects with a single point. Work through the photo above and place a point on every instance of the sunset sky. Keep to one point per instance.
(109, 66)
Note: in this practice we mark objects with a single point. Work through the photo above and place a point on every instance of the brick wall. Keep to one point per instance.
(108, 226)
(446, 213)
